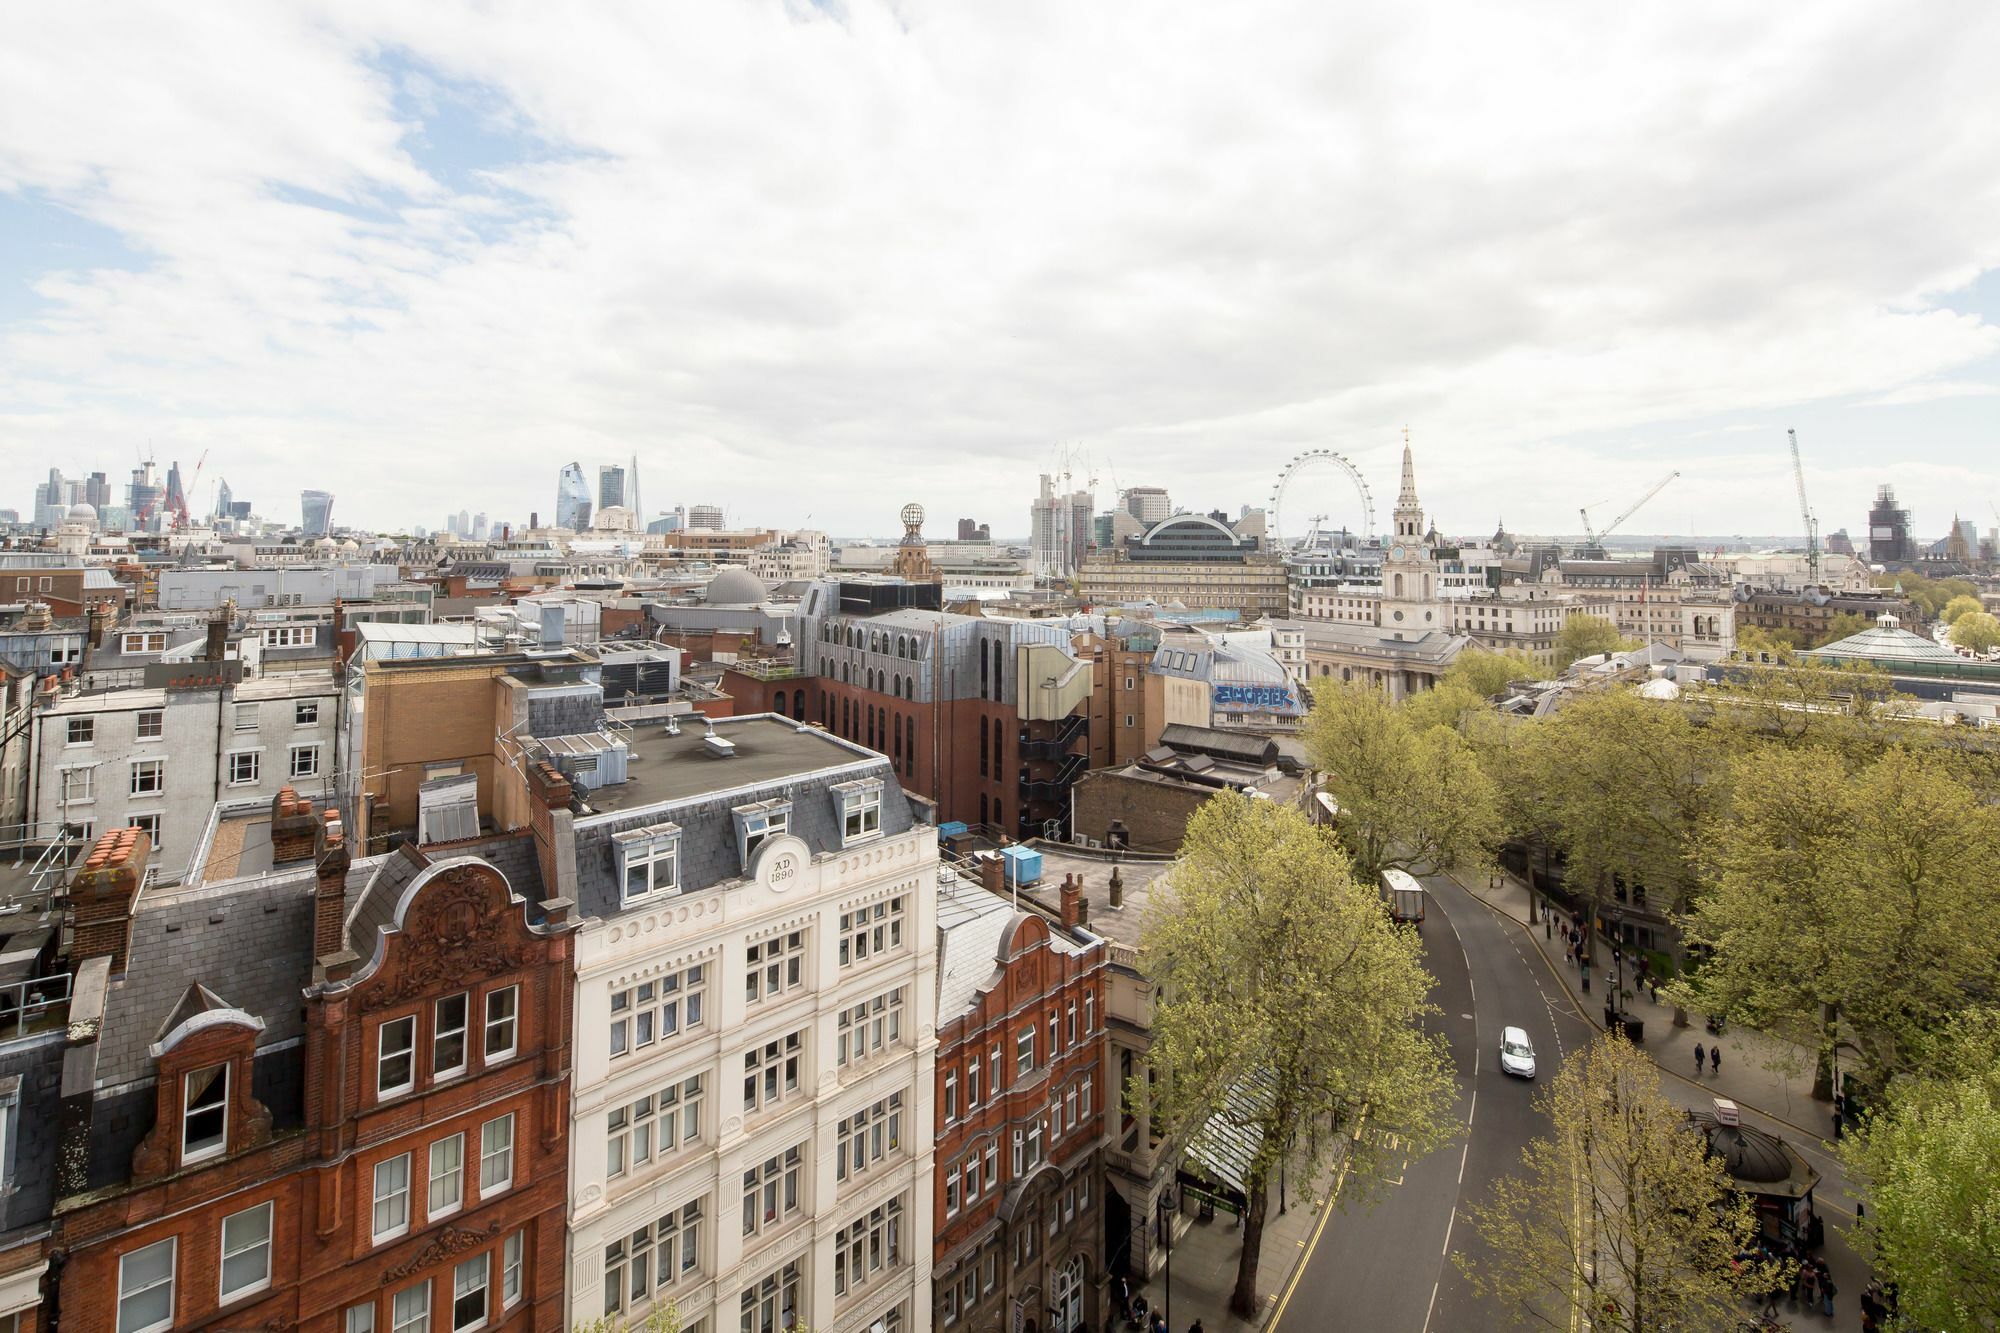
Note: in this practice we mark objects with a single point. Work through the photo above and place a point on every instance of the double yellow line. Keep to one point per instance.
(1326, 1214)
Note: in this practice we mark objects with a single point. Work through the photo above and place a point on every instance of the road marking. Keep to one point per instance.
(1449, 1223)
(1470, 1110)
(1429, 1309)
(1461, 1159)
(1466, 1017)
(1326, 1215)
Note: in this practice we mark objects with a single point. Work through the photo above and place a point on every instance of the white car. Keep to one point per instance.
(1517, 1054)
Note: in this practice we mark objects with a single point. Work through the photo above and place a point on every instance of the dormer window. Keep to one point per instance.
(860, 807)
(649, 862)
(205, 1114)
(755, 823)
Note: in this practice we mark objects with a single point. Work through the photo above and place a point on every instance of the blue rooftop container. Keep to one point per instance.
(951, 829)
(1024, 866)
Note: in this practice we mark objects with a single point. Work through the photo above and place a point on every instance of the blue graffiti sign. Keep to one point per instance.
(1257, 698)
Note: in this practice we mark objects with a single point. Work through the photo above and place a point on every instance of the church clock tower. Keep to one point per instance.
(1410, 607)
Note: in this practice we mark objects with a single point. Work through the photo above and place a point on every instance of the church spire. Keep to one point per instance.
(1409, 511)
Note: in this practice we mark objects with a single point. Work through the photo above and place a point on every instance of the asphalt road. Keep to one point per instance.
(1388, 1265)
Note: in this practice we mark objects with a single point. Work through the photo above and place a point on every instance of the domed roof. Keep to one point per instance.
(350, 545)
(82, 513)
(324, 544)
(734, 587)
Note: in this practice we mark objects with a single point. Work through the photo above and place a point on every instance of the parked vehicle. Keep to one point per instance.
(1403, 896)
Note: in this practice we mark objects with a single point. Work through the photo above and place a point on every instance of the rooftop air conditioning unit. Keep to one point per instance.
(718, 747)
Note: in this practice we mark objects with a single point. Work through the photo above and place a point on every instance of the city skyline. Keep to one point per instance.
(440, 265)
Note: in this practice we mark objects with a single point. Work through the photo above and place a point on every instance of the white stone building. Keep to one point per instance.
(755, 1033)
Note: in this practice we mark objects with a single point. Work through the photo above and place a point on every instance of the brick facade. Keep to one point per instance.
(482, 1116)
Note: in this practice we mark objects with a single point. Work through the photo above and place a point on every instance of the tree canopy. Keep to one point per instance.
(1977, 630)
(1584, 635)
(1959, 606)
(1285, 999)
(1620, 1217)
(1931, 1162)
(1410, 793)
(1848, 908)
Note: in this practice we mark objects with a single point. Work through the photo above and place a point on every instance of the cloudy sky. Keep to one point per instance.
(811, 262)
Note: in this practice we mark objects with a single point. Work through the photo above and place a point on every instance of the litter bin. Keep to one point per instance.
(1635, 1030)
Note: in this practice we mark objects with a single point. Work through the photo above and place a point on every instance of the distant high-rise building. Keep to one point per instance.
(49, 501)
(464, 528)
(451, 524)
(175, 502)
(572, 498)
(1149, 504)
(1889, 539)
(97, 491)
(1061, 530)
(972, 530)
(1839, 543)
(142, 498)
(223, 498)
(610, 486)
(479, 528)
(317, 512)
(707, 518)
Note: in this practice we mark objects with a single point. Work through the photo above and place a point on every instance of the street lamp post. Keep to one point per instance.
(1167, 1241)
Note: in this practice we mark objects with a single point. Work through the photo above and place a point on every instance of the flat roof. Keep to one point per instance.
(661, 768)
(1121, 924)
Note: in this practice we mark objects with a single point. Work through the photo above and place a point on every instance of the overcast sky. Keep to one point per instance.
(810, 263)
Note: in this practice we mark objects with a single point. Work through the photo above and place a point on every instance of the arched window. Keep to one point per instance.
(778, 703)
(898, 751)
(1399, 585)
(985, 670)
(982, 809)
(799, 704)
(846, 719)
(985, 750)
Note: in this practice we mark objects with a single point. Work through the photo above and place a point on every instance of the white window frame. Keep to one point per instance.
(255, 766)
(305, 713)
(406, 1051)
(220, 1147)
(80, 731)
(223, 1293)
(871, 931)
(868, 1137)
(757, 823)
(170, 1282)
(472, 1277)
(774, 1191)
(74, 792)
(496, 1163)
(658, 1010)
(774, 1072)
(1024, 1052)
(156, 716)
(774, 966)
(153, 769)
(654, 1127)
(445, 1193)
(513, 1258)
(859, 806)
(459, 1031)
(418, 1319)
(651, 855)
(143, 641)
(237, 716)
(510, 1022)
(310, 753)
(359, 1318)
(396, 1199)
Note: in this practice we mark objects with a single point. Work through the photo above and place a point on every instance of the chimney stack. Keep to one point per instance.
(992, 874)
(331, 858)
(1117, 888)
(96, 617)
(554, 826)
(218, 633)
(103, 894)
(1073, 908)
(293, 828)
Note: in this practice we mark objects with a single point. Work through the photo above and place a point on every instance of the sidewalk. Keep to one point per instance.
(1204, 1260)
(1746, 1055)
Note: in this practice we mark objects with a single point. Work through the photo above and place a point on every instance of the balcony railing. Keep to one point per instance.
(33, 1006)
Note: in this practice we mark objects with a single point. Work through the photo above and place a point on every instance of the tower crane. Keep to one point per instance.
(181, 519)
(1595, 538)
(1805, 510)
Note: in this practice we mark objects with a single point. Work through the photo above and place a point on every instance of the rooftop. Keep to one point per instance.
(1121, 925)
(662, 768)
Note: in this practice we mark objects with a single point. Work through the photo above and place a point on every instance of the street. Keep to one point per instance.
(1389, 1266)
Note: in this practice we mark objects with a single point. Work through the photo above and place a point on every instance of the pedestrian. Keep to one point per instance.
(1806, 1287)
(1827, 1291)
(1653, 985)
(1159, 1322)
(1195, 1327)
(1700, 1057)
(1715, 1058)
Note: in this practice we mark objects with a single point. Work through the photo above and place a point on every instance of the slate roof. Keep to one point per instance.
(372, 898)
(700, 793)
(249, 942)
(38, 1064)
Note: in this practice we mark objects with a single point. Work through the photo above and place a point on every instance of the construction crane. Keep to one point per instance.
(181, 519)
(1805, 510)
(1595, 538)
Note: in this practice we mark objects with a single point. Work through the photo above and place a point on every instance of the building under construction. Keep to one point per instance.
(1889, 540)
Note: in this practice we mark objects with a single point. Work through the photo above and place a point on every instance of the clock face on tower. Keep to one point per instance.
(1395, 553)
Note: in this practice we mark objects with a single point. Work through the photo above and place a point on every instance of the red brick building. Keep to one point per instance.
(1020, 1117)
(315, 1093)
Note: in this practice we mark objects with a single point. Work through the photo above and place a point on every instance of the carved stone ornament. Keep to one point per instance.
(451, 1241)
(458, 927)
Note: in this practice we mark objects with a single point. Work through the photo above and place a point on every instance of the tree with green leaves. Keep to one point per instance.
(1584, 635)
(1931, 1162)
(1977, 630)
(1488, 673)
(1850, 910)
(661, 1320)
(1843, 625)
(1409, 795)
(1285, 1002)
(1958, 606)
(1620, 1218)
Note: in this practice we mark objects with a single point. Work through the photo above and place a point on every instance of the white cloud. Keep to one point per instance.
(806, 265)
